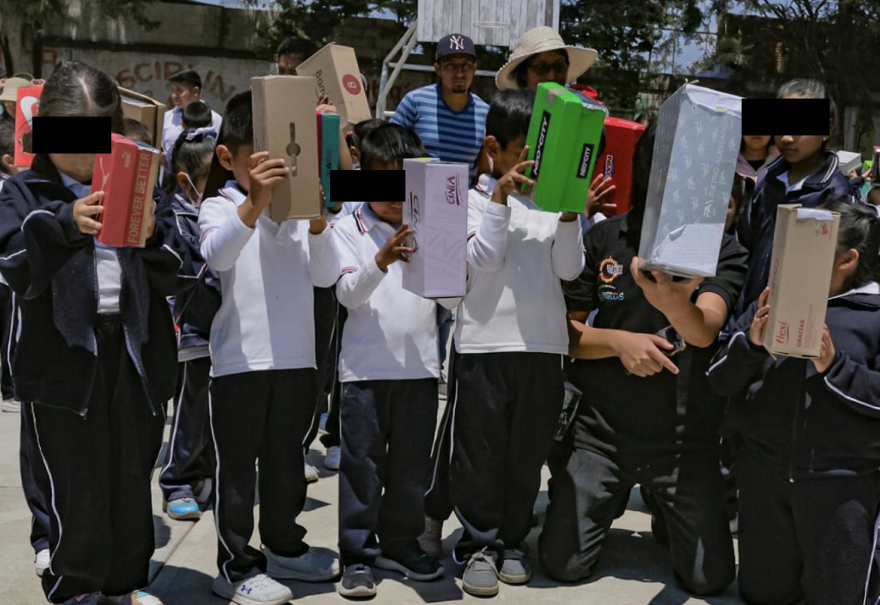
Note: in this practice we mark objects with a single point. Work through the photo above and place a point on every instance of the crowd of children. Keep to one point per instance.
(250, 326)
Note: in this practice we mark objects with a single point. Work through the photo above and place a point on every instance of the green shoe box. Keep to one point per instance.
(564, 136)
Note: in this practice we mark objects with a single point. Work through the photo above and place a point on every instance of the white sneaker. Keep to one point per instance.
(42, 561)
(11, 406)
(311, 473)
(259, 590)
(310, 567)
(333, 457)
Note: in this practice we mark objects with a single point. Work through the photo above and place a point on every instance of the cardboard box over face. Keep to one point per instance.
(127, 176)
(436, 210)
(563, 139)
(800, 276)
(328, 151)
(616, 161)
(26, 108)
(698, 138)
(285, 126)
(147, 111)
(336, 71)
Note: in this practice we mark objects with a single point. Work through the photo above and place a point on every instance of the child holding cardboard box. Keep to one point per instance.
(806, 174)
(510, 336)
(97, 372)
(650, 417)
(807, 466)
(389, 368)
(263, 353)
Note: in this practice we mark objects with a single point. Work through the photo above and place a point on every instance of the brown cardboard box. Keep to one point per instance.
(800, 276)
(285, 126)
(147, 111)
(336, 70)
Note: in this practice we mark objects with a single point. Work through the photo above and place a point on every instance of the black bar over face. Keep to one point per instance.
(786, 116)
(70, 135)
(368, 185)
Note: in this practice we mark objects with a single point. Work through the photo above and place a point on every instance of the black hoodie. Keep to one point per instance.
(815, 424)
(51, 269)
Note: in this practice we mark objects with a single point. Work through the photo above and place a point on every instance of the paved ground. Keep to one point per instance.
(633, 570)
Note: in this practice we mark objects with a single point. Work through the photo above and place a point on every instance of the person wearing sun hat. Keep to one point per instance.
(10, 90)
(542, 56)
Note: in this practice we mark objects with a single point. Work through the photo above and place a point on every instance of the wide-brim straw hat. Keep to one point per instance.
(11, 87)
(536, 41)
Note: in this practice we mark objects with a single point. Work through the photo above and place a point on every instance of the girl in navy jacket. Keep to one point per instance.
(810, 448)
(95, 355)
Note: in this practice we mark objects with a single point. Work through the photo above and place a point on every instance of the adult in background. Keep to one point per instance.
(542, 56)
(186, 87)
(291, 52)
(450, 120)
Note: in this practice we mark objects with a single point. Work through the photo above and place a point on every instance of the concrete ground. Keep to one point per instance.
(633, 570)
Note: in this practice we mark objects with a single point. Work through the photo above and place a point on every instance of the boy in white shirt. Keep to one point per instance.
(263, 358)
(510, 336)
(389, 367)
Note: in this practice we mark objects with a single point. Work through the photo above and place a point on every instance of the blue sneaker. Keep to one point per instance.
(138, 597)
(182, 509)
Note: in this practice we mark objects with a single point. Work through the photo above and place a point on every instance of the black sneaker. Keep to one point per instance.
(419, 566)
(357, 582)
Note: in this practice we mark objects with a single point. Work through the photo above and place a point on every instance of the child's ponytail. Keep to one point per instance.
(191, 154)
(859, 230)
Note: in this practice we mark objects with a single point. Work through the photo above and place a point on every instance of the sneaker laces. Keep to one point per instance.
(259, 582)
(486, 557)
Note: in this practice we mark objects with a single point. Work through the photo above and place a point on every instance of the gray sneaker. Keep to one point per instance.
(481, 574)
(516, 568)
(310, 567)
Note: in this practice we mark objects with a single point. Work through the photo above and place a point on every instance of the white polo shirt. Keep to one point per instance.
(173, 127)
(266, 317)
(391, 333)
(518, 256)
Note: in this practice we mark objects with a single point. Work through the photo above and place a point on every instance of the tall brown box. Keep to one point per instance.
(337, 75)
(147, 111)
(285, 126)
(800, 276)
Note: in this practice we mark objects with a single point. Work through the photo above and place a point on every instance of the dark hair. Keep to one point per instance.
(361, 130)
(197, 115)
(137, 131)
(518, 75)
(191, 154)
(873, 192)
(188, 77)
(77, 89)
(7, 141)
(809, 89)
(390, 144)
(643, 156)
(859, 230)
(742, 191)
(236, 131)
(297, 47)
(509, 115)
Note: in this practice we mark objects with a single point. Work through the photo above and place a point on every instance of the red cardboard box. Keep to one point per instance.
(127, 176)
(26, 108)
(616, 162)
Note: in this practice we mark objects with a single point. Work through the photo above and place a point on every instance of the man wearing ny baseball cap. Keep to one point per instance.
(448, 107)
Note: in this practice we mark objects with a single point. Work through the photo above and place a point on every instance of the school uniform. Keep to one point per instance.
(389, 367)
(174, 126)
(661, 432)
(263, 389)
(510, 336)
(190, 458)
(95, 345)
(808, 461)
(756, 170)
(758, 221)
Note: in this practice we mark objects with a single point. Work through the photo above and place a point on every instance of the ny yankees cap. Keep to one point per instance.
(455, 44)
